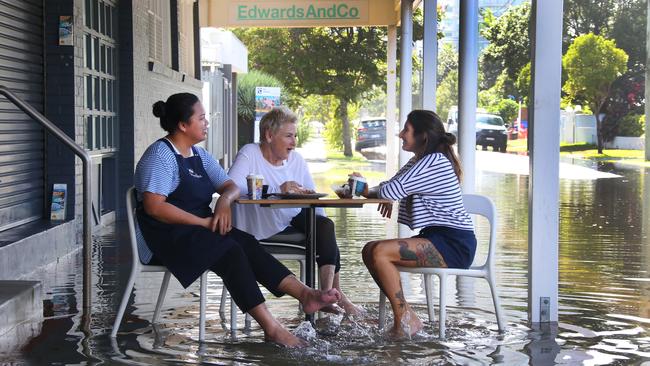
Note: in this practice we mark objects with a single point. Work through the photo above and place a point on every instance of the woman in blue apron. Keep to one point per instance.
(175, 181)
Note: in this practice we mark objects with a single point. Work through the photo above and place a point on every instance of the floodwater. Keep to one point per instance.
(604, 295)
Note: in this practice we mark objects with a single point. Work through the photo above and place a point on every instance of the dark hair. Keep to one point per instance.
(178, 108)
(430, 136)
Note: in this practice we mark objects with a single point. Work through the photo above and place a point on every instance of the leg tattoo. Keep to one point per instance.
(405, 253)
(425, 255)
(400, 298)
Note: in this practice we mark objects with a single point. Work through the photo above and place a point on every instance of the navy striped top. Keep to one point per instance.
(429, 194)
(157, 172)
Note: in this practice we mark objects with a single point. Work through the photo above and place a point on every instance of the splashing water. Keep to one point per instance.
(305, 331)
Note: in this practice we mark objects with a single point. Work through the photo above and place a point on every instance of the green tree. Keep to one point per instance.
(587, 16)
(447, 61)
(447, 94)
(509, 47)
(508, 109)
(523, 83)
(629, 30)
(246, 102)
(592, 64)
(342, 62)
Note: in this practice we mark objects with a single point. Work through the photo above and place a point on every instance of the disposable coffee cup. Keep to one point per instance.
(357, 185)
(254, 183)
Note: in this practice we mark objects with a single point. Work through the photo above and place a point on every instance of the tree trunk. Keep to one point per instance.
(343, 115)
(599, 132)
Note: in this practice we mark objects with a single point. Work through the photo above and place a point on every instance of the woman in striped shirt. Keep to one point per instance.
(430, 200)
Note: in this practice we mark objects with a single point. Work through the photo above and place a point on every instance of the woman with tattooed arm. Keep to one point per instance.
(428, 188)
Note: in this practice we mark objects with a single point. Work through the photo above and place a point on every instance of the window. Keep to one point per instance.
(186, 36)
(159, 31)
(100, 70)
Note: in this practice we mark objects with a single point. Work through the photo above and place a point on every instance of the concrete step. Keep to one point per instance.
(21, 304)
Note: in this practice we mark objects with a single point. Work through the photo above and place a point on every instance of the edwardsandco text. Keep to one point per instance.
(311, 11)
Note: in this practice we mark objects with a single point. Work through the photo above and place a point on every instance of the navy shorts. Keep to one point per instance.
(456, 246)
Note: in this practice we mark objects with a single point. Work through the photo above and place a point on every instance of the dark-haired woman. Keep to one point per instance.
(428, 188)
(175, 181)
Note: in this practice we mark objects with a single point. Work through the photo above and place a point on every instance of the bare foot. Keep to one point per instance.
(314, 300)
(284, 338)
(332, 309)
(351, 309)
(405, 327)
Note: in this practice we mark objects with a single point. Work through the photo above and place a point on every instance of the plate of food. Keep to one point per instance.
(295, 196)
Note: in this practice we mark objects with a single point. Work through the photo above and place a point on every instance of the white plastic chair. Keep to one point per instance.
(474, 204)
(137, 267)
(284, 246)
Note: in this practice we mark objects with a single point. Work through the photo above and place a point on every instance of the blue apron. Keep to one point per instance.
(186, 250)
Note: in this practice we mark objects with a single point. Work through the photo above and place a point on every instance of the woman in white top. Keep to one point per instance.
(428, 188)
(285, 171)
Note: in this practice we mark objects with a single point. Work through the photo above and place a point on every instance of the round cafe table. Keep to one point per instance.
(311, 204)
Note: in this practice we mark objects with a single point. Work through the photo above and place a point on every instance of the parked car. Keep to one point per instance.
(370, 133)
(490, 131)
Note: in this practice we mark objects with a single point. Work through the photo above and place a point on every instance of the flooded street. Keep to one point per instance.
(604, 294)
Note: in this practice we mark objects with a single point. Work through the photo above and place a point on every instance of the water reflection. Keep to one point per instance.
(604, 295)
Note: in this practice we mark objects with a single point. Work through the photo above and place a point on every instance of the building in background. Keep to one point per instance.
(450, 19)
(94, 68)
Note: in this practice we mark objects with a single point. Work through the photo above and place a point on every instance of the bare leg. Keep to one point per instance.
(311, 300)
(347, 305)
(273, 330)
(326, 280)
(382, 257)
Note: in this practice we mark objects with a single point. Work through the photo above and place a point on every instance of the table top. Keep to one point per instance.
(317, 202)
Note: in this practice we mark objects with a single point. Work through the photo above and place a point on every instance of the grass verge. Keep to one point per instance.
(590, 152)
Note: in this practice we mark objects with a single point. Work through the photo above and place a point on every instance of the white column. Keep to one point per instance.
(391, 102)
(405, 83)
(647, 87)
(430, 55)
(405, 70)
(468, 91)
(544, 141)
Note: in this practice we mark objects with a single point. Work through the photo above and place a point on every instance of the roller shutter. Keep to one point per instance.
(21, 139)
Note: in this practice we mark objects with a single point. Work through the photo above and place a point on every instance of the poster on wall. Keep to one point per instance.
(65, 30)
(57, 209)
(265, 99)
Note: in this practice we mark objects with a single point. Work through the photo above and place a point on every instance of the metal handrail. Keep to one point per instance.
(87, 203)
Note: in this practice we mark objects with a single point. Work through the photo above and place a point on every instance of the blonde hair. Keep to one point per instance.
(274, 119)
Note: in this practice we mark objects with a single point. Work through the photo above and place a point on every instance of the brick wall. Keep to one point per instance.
(141, 85)
(64, 95)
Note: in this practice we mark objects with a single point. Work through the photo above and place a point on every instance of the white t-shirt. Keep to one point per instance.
(264, 222)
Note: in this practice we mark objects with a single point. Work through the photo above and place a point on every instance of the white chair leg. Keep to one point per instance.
(302, 279)
(497, 306)
(233, 319)
(222, 304)
(161, 296)
(247, 322)
(382, 310)
(443, 304)
(202, 300)
(125, 300)
(428, 290)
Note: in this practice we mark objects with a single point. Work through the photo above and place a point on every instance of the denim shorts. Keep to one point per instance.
(456, 246)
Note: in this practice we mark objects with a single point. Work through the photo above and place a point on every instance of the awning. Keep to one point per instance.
(297, 13)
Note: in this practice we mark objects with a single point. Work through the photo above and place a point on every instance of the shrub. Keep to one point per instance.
(302, 132)
(506, 108)
(631, 125)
